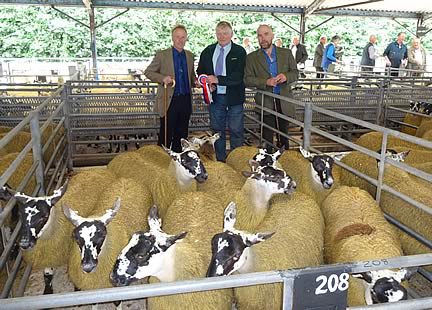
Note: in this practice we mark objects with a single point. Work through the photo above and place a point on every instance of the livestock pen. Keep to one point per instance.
(79, 112)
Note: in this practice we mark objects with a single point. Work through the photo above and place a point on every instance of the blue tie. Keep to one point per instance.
(219, 62)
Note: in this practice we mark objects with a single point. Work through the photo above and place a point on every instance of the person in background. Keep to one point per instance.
(168, 65)
(278, 42)
(369, 55)
(300, 54)
(247, 45)
(329, 55)
(416, 58)
(396, 54)
(224, 64)
(272, 69)
(319, 52)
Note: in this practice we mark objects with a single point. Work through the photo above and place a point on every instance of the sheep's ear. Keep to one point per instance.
(403, 155)
(230, 216)
(185, 144)
(173, 239)
(58, 193)
(215, 137)
(154, 220)
(408, 273)
(172, 154)
(6, 193)
(247, 174)
(306, 154)
(111, 213)
(257, 238)
(367, 276)
(253, 164)
(72, 216)
(278, 153)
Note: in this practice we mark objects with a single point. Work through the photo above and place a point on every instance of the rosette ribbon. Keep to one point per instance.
(203, 80)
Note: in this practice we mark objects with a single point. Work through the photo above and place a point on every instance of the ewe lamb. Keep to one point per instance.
(99, 244)
(297, 243)
(313, 172)
(45, 231)
(356, 230)
(239, 157)
(194, 218)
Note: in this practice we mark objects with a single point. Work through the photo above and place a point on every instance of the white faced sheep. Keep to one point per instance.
(193, 218)
(253, 200)
(356, 230)
(91, 262)
(312, 172)
(45, 230)
(297, 242)
(204, 145)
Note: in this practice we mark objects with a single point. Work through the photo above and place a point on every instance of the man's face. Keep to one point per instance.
(265, 37)
(224, 35)
(401, 37)
(296, 41)
(416, 44)
(179, 38)
(373, 39)
(323, 40)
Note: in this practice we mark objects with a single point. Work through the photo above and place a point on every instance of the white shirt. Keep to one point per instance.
(227, 48)
(294, 50)
(418, 56)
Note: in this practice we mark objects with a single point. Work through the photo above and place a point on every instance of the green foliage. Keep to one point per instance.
(43, 32)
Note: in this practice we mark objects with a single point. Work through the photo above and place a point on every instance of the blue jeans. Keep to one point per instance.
(221, 115)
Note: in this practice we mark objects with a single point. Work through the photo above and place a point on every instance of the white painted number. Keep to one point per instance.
(332, 283)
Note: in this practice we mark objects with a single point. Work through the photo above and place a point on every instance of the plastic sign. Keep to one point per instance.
(321, 290)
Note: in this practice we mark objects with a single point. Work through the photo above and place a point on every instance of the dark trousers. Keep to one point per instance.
(394, 71)
(278, 123)
(319, 72)
(178, 116)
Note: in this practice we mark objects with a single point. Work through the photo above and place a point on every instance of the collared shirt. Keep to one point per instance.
(418, 56)
(182, 86)
(396, 53)
(272, 66)
(294, 50)
(227, 48)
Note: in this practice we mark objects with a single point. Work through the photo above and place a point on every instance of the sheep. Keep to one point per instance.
(253, 200)
(156, 155)
(425, 126)
(356, 230)
(46, 231)
(313, 172)
(239, 157)
(373, 141)
(99, 244)
(204, 145)
(184, 172)
(193, 218)
(297, 243)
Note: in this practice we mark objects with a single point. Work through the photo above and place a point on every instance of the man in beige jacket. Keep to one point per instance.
(174, 68)
(416, 58)
(272, 69)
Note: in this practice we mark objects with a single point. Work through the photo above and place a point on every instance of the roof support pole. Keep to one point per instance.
(93, 49)
(422, 30)
(322, 23)
(403, 26)
(302, 27)
(285, 23)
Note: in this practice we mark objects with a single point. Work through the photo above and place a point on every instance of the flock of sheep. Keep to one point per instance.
(176, 216)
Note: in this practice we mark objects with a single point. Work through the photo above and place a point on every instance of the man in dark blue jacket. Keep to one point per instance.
(396, 54)
(224, 64)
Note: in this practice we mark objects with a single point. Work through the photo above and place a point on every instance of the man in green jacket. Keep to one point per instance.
(224, 63)
(272, 69)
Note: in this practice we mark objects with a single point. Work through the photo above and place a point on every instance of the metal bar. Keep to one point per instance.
(287, 298)
(53, 156)
(407, 199)
(347, 5)
(409, 111)
(408, 230)
(402, 123)
(93, 41)
(56, 169)
(10, 244)
(381, 168)
(14, 165)
(403, 26)
(37, 150)
(110, 19)
(426, 274)
(66, 112)
(413, 304)
(285, 23)
(320, 24)
(307, 125)
(71, 17)
(53, 135)
(23, 282)
(313, 6)
(10, 280)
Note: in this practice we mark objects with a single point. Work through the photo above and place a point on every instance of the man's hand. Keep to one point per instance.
(212, 79)
(197, 83)
(271, 82)
(167, 80)
(280, 78)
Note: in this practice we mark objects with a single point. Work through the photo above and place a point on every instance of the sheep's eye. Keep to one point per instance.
(140, 256)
